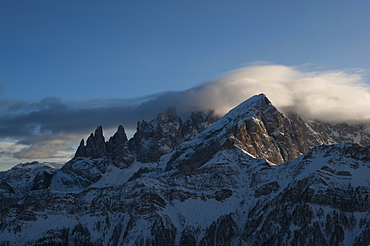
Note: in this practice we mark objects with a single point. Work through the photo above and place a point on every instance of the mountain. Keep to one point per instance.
(251, 177)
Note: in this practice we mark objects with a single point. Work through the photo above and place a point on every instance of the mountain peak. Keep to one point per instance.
(255, 126)
(260, 100)
(115, 149)
(139, 191)
(255, 103)
(119, 137)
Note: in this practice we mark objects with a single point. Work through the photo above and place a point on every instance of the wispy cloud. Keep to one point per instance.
(49, 127)
(37, 151)
(7, 150)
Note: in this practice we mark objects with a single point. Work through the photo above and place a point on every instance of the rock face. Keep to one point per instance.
(256, 127)
(158, 137)
(115, 149)
(164, 134)
(152, 139)
(198, 183)
(335, 133)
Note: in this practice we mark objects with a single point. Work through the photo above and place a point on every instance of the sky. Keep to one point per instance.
(68, 66)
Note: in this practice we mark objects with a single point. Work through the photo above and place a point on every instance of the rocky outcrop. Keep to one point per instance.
(95, 159)
(119, 149)
(197, 123)
(158, 137)
(115, 151)
(152, 139)
(164, 134)
(332, 132)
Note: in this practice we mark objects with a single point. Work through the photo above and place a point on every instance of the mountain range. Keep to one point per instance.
(251, 177)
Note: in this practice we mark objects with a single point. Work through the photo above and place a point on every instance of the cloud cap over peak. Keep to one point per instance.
(329, 96)
(49, 127)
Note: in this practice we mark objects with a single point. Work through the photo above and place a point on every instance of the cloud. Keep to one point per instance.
(51, 126)
(42, 151)
(330, 96)
(7, 150)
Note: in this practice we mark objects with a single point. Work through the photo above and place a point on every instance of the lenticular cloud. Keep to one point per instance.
(329, 96)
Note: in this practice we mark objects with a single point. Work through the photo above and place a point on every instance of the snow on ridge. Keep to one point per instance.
(235, 115)
(34, 165)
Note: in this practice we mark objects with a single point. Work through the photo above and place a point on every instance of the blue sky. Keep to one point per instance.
(56, 53)
(88, 49)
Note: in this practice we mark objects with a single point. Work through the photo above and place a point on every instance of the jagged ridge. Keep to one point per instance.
(201, 187)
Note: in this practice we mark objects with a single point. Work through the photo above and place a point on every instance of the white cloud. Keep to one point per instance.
(46, 130)
(329, 96)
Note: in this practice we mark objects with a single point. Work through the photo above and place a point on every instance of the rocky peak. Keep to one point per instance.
(266, 133)
(115, 150)
(320, 198)
(157, 137)
(81, 151)
(165, 133)
(98, 138)
(256, 127)
(119, 150)
(92, 160)
(198, 122)
(151, 140)
(95, 144)
(118, 138)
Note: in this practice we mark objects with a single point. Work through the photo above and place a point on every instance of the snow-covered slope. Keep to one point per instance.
(28, 176)
(219, 185)
(321, 198)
